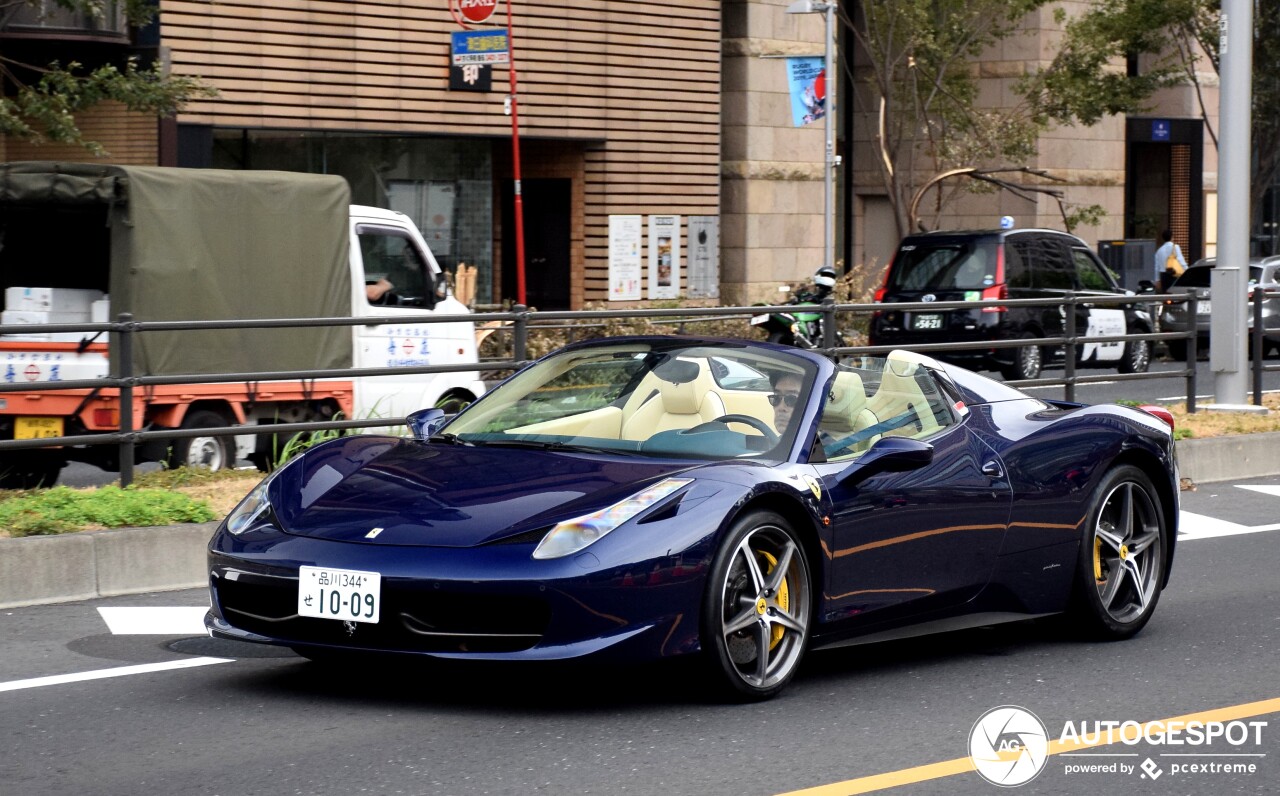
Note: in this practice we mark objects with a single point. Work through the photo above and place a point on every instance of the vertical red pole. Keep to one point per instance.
(515, 163)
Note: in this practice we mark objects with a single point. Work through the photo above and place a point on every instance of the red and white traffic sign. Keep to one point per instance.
(474, 11)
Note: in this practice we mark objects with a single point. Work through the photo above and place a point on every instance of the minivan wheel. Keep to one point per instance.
(1137, 356)
(1027, 361)
(1177, 349)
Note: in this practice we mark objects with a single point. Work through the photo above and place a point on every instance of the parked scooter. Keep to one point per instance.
(798, 328)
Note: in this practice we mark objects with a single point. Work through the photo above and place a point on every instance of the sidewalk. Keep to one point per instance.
(80, 566)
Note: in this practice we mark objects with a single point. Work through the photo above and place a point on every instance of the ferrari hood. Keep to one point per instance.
(448, 495)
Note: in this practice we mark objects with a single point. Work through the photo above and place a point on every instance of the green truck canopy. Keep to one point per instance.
(172, 244)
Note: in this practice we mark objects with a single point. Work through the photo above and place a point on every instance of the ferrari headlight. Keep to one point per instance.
(254, 505)
(573, 535)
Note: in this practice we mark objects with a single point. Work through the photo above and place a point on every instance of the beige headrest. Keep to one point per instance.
(846, 401)
(684, 397)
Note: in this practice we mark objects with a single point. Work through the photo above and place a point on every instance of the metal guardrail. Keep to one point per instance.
(519, 321)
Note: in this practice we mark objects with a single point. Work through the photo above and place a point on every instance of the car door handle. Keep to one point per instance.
(993, 469)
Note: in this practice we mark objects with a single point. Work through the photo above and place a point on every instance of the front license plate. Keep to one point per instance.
(37, 427)
(346, 594)
(926, 322)
(1203, 308)
(756, 320)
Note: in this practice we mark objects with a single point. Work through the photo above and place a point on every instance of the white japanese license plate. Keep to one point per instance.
(756, 320)
(926, 322)
(346, 594)
(1203, 307)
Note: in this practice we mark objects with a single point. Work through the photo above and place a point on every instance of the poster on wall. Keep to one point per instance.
(624, 258)
(704, 257)
(664, 257)
(807, 80)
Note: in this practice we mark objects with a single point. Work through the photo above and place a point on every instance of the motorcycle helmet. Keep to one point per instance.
(825, 276)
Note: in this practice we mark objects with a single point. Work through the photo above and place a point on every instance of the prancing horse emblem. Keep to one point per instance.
(350, 628)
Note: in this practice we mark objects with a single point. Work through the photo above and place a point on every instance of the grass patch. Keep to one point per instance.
(62, 509)
(1220, 424)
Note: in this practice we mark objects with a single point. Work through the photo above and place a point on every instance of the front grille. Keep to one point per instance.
(413, 618)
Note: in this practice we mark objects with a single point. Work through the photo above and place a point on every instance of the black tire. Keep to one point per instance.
(1120, 569)
(773, 612)
(1027, 363)
(1136, 357)
(30, 469)
(211, 453)
(1177, 349)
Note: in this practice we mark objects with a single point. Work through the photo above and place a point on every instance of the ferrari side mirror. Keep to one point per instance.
(426, 422)
(889, 455)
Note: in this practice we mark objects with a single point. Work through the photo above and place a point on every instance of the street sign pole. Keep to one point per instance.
(515, 164)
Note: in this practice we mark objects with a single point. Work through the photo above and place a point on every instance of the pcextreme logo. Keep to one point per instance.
(1009, 746)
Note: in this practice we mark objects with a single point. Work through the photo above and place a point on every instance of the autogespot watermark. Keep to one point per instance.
(1010, 746)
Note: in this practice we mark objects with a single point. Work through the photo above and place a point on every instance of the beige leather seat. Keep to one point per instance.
(900, 394)
(686, 397)
(846, 413)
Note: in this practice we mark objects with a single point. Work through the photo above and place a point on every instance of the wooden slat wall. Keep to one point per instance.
(131, 139)
(637, 82)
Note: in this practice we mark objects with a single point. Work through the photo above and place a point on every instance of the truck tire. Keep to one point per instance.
(210, 453)
(30, 469)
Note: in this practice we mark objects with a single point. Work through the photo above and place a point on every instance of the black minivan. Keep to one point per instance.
(1007, 264)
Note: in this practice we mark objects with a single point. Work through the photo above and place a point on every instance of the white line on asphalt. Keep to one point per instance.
(1198, 526)
(152, 621)
(1266, 489)
(102, 674)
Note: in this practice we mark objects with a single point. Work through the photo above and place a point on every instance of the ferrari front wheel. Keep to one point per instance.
(1120, 570)
(758, 607)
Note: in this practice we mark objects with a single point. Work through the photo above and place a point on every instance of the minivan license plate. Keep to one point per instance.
(345, 594)
(927, 322)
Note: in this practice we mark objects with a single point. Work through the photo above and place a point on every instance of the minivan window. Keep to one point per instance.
(944, 266)
(1088, 272)
(1055, 271)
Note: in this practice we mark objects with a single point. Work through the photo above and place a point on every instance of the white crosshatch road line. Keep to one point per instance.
(102, 674)
(1199, 526)
(152, 621)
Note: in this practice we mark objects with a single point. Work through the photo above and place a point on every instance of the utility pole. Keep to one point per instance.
(1230, 278)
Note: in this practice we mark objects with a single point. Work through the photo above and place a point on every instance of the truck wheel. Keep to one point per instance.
(31, 470)
(453, 404)
(210, 453)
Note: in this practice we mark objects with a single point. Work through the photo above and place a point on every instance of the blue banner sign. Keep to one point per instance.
(480, 47)
(1160, 129)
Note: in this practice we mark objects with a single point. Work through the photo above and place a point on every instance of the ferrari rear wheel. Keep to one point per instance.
(758, 607)
(1121, 565)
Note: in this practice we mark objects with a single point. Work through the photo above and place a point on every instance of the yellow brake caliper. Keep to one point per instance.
(784, 600)
(1097, 560)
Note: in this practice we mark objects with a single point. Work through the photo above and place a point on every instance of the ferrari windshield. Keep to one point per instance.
(698, 401)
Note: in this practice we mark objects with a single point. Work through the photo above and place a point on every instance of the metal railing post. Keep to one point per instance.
(520, 334)
(1069, 350)
(829, 325)
(124, 337)
(1193, 346)
(1259, 348)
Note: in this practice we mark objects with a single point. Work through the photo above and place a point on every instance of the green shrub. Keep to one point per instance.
(62, 509)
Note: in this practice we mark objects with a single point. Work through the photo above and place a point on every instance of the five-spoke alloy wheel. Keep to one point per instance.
(758, 607)
(1122, 561)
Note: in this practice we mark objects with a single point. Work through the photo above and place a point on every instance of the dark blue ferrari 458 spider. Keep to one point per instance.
(649, 497)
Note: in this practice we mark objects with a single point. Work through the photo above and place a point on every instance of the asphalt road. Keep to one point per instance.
(241, 719)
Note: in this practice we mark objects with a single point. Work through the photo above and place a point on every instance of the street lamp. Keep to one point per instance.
(828, 114)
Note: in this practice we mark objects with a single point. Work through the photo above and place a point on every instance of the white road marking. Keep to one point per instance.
(102, 674)
(150, 621)
(1199, 526)
(1266, 489)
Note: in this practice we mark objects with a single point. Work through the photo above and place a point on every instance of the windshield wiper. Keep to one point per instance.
(450, 439)
(541, 445)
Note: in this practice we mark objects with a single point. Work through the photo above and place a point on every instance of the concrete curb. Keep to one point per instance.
(80, 566)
